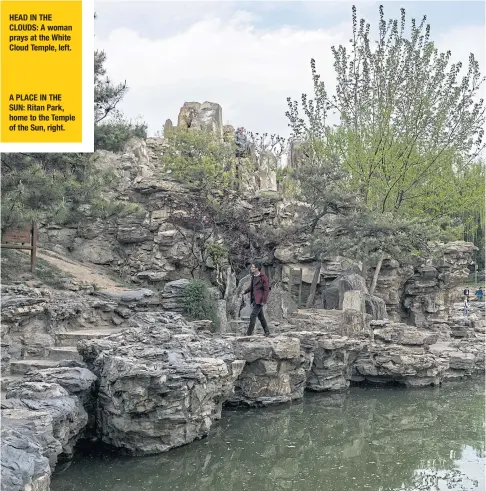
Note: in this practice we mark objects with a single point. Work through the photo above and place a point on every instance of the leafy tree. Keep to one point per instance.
(57, 187)
(199, 158)
(112, 129)
(339, 222)
(322, 184)
(405, 154)
(406, 119)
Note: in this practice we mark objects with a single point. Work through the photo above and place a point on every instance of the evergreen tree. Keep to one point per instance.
(56, 186)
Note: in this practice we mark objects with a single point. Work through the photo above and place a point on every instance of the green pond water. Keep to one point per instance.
(368, 439)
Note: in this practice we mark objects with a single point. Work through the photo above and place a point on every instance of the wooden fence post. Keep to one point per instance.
(33, 254)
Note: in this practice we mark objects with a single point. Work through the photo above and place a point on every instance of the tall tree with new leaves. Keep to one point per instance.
(409, 137)
(407, 116)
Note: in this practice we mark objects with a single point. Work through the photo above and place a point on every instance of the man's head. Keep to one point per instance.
(255, 267)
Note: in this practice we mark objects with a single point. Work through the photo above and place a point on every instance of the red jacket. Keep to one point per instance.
(260, 289)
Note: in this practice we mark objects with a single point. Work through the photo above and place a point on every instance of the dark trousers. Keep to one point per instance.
(257, 312)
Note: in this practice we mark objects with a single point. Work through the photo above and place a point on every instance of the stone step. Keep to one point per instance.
(21, 367)
(6, 380)
(70, 338)
(58, 353)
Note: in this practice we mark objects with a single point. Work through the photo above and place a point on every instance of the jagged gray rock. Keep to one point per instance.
(161, 384)
(41, 422)
(273, 372)
(24, 467)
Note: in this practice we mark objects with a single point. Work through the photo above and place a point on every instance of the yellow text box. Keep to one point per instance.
(41, 71)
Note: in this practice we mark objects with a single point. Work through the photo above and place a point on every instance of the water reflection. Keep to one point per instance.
(377, 439)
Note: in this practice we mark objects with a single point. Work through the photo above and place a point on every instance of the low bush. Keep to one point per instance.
(199, 304)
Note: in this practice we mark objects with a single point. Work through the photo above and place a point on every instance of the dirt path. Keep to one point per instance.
(79, 271)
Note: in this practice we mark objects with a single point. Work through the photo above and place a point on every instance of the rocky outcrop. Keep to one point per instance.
(41, 423)
(273, 372)
(206, 116)
(418, 357)
(330, 322)
(31, 317)
(34, 319)
(161, 384)
(173, 295)
(23, 466)
(329, 359)
(424, 295)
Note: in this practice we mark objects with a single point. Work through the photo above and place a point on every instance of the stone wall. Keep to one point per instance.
(425, 295)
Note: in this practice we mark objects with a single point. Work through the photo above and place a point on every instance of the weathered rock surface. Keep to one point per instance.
(205, 116)
(403, 334)
(407, 365)
(426, 293)
(34, 318)
(24, 467)
(173, 295)
(328, 359)
(273, 372)
(41, 423)
(161, 384)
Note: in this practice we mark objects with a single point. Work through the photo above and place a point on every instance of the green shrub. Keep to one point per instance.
(217, 253)
(198, 303)
(114, 134)
(199, 158)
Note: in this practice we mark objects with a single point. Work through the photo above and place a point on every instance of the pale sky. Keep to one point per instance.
(249, 56)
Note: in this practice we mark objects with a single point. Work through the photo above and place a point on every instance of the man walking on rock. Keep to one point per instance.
(259, 289)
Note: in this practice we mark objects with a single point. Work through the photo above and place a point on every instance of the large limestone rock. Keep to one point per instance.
(77, 381)
(94, 251)
(134, 163)
(292, 254)
(376, 307)
(41, 423)
(206, 116)
(281, 305)
(161, 384)
(412, 366)
(425, 294)
(31, 318)
(404, 334)
(337, 322)
(24, 466)
(354, 300)
(329, 359)
(390, 286)
(173, 295)
(273, 372)
(333, 295)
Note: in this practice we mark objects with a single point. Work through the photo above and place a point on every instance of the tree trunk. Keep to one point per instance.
(364, 272)
(375, 276)
(313, 288)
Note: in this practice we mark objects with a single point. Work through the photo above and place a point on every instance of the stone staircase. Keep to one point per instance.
(65, 349)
